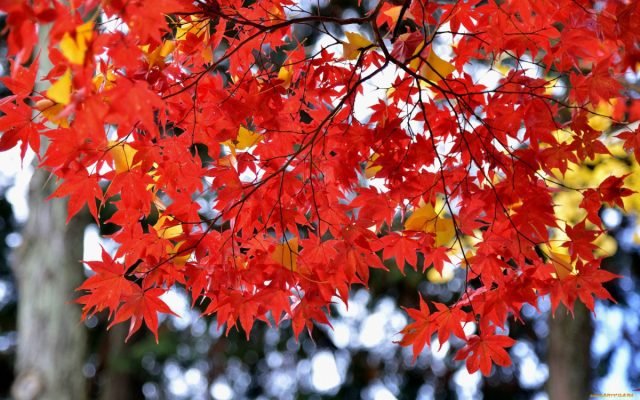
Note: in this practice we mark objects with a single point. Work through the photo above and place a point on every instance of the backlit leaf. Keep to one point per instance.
(353, 46)
(74, 47)
(60, 90)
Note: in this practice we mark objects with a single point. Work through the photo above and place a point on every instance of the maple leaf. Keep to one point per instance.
(354, 45)
(448, 320)
(581, 243)
(585, 284)
(21, 80)
(142, 305)
(123, 155)
(192, 33)
(286, 254)
(592, 201)
(612, 191)
(401, 248)
(418, 333)
(427, 220)
(244, 140)
(211, 119)
(82, 189)
(562, 264)
(16, 126)
(285, 74)
(602, 86)
(234, 306)
(407, 45)
(436, 257)
(309, 309)
(481, 352)
(157, 56)
(373, 209)
(433, 68)
(74, 47)
(436, 68)
(389, 15)
(106, 288)
(60, 91)
(632, 142)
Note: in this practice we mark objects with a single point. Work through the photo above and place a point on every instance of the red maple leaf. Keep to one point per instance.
(142, 305)
(401, 248)
(436, 257)
(612, 190)
(208, 152)
(22, 79)
(632, 140)
(106, 287)
(418, 333)
(586, 285)
(449, 320)
(481, 352)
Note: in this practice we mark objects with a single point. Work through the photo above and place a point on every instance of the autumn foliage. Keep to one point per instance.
(267, 176)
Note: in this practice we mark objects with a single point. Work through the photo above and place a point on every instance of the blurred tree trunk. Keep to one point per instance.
(569, 354)
(51, 340)
(115, 381)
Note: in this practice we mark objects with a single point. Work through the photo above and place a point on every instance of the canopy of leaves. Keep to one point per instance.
(267, 178)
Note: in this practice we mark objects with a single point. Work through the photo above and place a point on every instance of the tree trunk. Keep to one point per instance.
(115, 381)
(569, 354)
(51, 339)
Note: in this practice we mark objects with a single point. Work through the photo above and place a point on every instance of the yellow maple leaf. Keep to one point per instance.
(502, 68)
(178, 257)
(154, 175)
(51, 111)
(427, 220)
(122, 154)
(420, 217)
(60, 91)
(558, 255)
(370, 170)
(285, 75)
(286, 254)
(562, 263)
(161, 52)
(167, 48)
(245, 139)
(434, 69)
(393, 13)
(165, 230)
(75, 48)
(104, 80)
(467, 259)
(199, 28)
(353, 46)
(445, 231)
